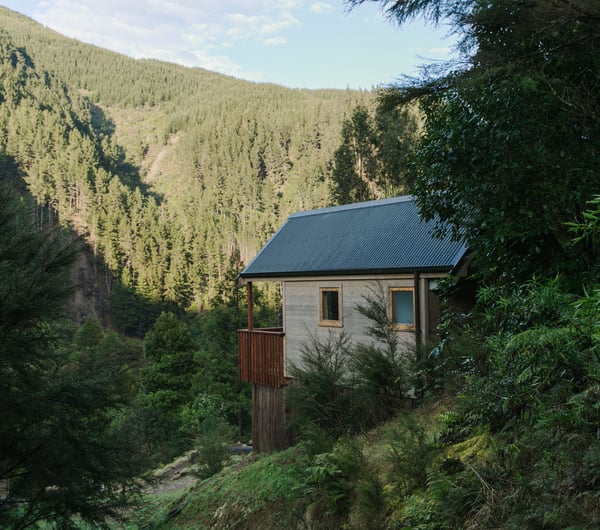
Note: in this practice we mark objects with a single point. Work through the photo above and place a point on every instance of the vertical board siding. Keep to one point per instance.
(261, 357)
(269, 432)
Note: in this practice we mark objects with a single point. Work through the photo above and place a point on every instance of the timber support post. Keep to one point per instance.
(250, 316)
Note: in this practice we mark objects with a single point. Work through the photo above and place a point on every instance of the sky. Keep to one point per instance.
(296, 43)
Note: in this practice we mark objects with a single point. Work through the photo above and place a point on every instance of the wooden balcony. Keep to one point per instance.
(261, 356)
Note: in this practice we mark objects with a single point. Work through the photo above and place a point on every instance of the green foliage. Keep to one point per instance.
(131, 313)
(372, 160)
(510, 147)
(381, 382)
(434, 487)
(320, 393)
(217, 374)
(331, 478)
(411, 454)
(354, 161)
(57, 451)
(190, 393)
(536, 392)
(537, 352)
(381, 370)
(166, 384)
(381, 328)
(89, 334)
(587, 231)
(442, 367)
(204, 420)
(504, 311)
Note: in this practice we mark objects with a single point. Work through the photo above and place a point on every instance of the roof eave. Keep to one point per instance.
(273, 276)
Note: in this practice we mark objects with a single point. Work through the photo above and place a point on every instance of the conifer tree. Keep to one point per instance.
(56, 454)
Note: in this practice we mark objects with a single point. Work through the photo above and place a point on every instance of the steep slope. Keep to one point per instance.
(189, 171)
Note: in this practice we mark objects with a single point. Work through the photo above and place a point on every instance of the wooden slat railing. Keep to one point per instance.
(261, 356)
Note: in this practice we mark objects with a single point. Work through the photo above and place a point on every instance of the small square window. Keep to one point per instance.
(402, 305)
(330, 306)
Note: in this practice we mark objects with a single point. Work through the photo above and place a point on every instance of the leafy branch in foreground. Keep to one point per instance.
(511, 146)
(58, 457)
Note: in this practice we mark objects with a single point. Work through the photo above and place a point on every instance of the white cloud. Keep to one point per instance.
(190, 32)
(223, 35)
(221, 64)
(275, 41)
(321, 7)
(249, 26)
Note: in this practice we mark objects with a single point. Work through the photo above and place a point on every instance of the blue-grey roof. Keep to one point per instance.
(384, 236)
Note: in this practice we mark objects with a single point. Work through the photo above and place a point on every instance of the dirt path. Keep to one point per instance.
(177, 475)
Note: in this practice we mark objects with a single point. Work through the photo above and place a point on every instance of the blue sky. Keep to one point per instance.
(295, 43)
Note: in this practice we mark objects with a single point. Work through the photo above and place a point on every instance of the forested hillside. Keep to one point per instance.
(505, 433)
(169, 179)
(173, 175)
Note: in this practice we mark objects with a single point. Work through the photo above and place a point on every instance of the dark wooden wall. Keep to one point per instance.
(269, 432)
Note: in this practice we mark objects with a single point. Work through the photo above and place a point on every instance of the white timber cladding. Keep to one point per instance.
(302, 313)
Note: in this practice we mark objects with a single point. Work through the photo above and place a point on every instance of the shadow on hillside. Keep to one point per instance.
(117, 163)
(96, 293)
(133, 314)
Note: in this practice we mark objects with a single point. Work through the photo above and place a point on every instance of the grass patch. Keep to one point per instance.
(256, 491)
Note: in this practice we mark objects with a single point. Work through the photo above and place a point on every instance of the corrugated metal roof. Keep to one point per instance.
(370, 237)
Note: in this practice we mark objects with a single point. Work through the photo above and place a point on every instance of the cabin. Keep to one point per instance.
(327, 261)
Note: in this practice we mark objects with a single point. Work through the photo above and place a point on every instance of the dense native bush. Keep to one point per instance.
(342, 485)
(520, 448)
(538, 352)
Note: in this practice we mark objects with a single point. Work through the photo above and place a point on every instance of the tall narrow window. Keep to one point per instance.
(402, 305)
(330, 306)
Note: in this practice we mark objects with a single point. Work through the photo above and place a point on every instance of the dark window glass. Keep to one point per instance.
(330, 304)
(402, 307)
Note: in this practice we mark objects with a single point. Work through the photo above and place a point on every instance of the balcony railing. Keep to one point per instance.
(261, 356)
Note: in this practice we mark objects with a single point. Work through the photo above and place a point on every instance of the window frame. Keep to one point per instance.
(398, 325)
(322, 307)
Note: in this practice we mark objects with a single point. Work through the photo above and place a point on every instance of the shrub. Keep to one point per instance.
(411, 453)
(538, 395)
(320, 395)
(343, 489)
(203, 420)
(380, 381)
